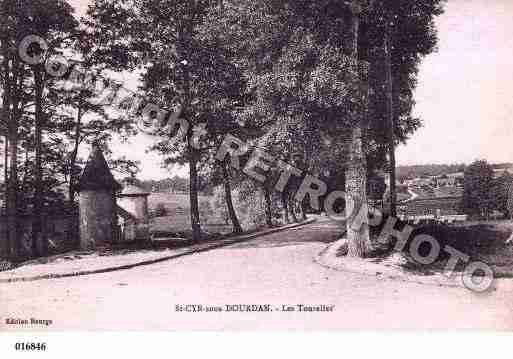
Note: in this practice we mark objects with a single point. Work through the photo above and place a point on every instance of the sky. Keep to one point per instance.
(464, 94)
(465, 89)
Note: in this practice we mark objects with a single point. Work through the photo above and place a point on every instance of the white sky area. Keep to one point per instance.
(464, 94)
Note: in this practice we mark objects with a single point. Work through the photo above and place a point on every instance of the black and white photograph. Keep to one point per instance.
(255, 166)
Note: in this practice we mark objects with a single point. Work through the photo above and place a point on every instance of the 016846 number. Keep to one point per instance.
(30, 346)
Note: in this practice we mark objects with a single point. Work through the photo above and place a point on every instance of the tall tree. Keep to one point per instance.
(478, 183)
(509, 203)
(390, 117)
(83, 112)
(356, 172)
(500, 192)
(395, 35)
(229, 201)
(14, 83)
(186, 70)
(54, 22)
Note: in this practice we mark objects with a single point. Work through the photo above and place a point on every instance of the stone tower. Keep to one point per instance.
(135, 200)
(97, 202)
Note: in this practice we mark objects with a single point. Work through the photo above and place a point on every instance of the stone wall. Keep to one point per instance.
(61, 231)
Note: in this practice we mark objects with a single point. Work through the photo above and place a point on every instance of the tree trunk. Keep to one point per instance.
(356, 172)
(73, 158)
(10, 235)
(390, 118)
(15, 93)
(285, 206)
(268, 208)
(5, 247)
(72, 183)
(184, 52)
(6, 169)
(229, 202)
(37, 230)
(292, 206)
(193, 194)
(12, 190)
(26, 168)
(358, 238)
(303, 210)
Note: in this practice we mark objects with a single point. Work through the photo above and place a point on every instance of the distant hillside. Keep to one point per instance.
(416, 171)
(175, 184)
(172, 202)
(170, 185)
(500, 166)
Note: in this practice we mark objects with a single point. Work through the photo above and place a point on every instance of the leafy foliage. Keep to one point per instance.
(478, 183)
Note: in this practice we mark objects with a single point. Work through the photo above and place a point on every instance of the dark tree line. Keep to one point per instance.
(324, 86)
(42, 121)
(485, 193)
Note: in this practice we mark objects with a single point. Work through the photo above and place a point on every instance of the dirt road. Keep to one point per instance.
(268, 277)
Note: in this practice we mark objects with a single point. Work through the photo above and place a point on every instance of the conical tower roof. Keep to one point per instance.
(96, 174)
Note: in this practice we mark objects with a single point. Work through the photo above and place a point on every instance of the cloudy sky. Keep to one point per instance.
(465, 92)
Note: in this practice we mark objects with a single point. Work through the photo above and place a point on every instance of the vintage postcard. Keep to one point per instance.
(255, 165)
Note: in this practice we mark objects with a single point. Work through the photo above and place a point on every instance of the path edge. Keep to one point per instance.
(207, 247)
(405, 277)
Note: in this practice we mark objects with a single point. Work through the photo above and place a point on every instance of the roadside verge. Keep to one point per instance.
(389, 267)
(95, 264)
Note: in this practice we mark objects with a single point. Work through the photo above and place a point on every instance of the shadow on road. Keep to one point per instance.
(324, 230)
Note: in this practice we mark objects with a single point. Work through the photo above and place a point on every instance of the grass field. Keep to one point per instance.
(432, 192)
(178, 218)
(171, 201)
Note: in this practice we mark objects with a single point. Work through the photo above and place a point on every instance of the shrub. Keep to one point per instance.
(469, 239)
(251, 207)
(205, 211)
(219, 203)
(160, 210)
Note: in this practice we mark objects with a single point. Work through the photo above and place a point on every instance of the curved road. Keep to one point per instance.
(275, 270)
